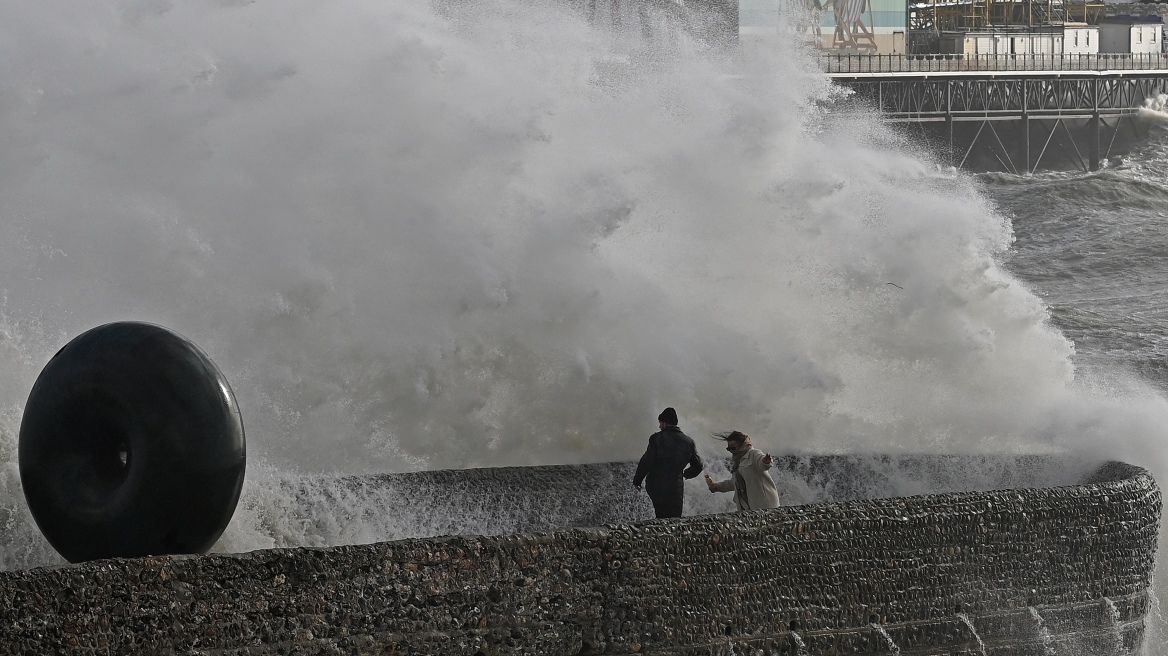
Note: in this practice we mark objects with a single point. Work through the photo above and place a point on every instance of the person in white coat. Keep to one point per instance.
(750, 477)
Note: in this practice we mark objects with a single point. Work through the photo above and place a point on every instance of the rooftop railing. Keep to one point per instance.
(839, 63)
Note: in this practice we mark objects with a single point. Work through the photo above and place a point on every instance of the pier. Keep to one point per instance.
(987, 85)
(1013, 113)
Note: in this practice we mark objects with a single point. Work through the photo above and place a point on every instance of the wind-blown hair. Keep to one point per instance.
(727, 436)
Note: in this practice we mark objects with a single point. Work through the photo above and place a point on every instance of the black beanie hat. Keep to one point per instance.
(669, 416)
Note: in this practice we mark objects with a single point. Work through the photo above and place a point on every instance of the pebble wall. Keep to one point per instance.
(1042, 571)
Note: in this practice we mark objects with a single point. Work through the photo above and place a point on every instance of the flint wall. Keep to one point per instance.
(1062, 570)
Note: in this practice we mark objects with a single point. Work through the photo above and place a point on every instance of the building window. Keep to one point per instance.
(1075, 33)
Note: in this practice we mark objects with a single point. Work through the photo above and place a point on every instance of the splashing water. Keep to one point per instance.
(800, 646)
(887, 638)
(1043, 632)
(1153, 109)
(969, 624)
(1116, 626)
(420, 236)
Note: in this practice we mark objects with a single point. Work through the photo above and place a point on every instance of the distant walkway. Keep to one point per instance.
(853, 64)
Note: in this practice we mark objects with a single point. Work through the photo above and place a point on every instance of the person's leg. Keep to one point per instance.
(667, 506)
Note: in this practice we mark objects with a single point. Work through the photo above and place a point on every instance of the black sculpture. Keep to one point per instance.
(131, 444)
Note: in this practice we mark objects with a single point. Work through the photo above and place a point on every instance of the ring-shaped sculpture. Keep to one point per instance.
(131, 444)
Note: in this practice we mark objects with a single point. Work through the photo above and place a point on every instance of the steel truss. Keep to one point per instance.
(1017, 123)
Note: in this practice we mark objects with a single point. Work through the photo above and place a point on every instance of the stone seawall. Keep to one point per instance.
(1060, 570)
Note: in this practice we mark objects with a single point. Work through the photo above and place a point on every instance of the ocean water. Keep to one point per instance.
(1094, 247)
(420, 236)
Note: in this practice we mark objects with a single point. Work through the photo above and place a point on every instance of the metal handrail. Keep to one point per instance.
(946, 63)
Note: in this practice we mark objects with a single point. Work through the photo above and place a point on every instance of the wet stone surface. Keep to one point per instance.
(1062, 570)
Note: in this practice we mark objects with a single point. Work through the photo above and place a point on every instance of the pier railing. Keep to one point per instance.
(839, 63)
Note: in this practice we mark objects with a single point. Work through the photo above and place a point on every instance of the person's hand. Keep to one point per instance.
(766, 459)
(636, 486)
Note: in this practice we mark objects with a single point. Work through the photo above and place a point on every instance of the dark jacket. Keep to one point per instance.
(670, 456)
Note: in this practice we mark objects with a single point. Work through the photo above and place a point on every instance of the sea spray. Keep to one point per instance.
(492, 234)
(1043, 632)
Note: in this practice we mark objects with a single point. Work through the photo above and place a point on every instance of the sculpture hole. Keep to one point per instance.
(111, 458)
(95, 440)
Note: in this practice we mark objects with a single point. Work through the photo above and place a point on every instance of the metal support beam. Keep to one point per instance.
(1026, 127)
(949, 120)
(1093, 142)
(1093, 128)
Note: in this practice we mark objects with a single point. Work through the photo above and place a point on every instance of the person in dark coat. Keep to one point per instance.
(671, 456)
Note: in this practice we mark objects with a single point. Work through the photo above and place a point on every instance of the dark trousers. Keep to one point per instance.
(666, 505)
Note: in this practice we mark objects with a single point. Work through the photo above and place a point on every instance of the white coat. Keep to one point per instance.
(751, 482)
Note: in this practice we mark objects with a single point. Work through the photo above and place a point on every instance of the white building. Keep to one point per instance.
(1080, 39)
(1142, 34)
(1072, 38)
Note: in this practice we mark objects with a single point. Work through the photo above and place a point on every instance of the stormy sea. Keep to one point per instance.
(420, 235)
